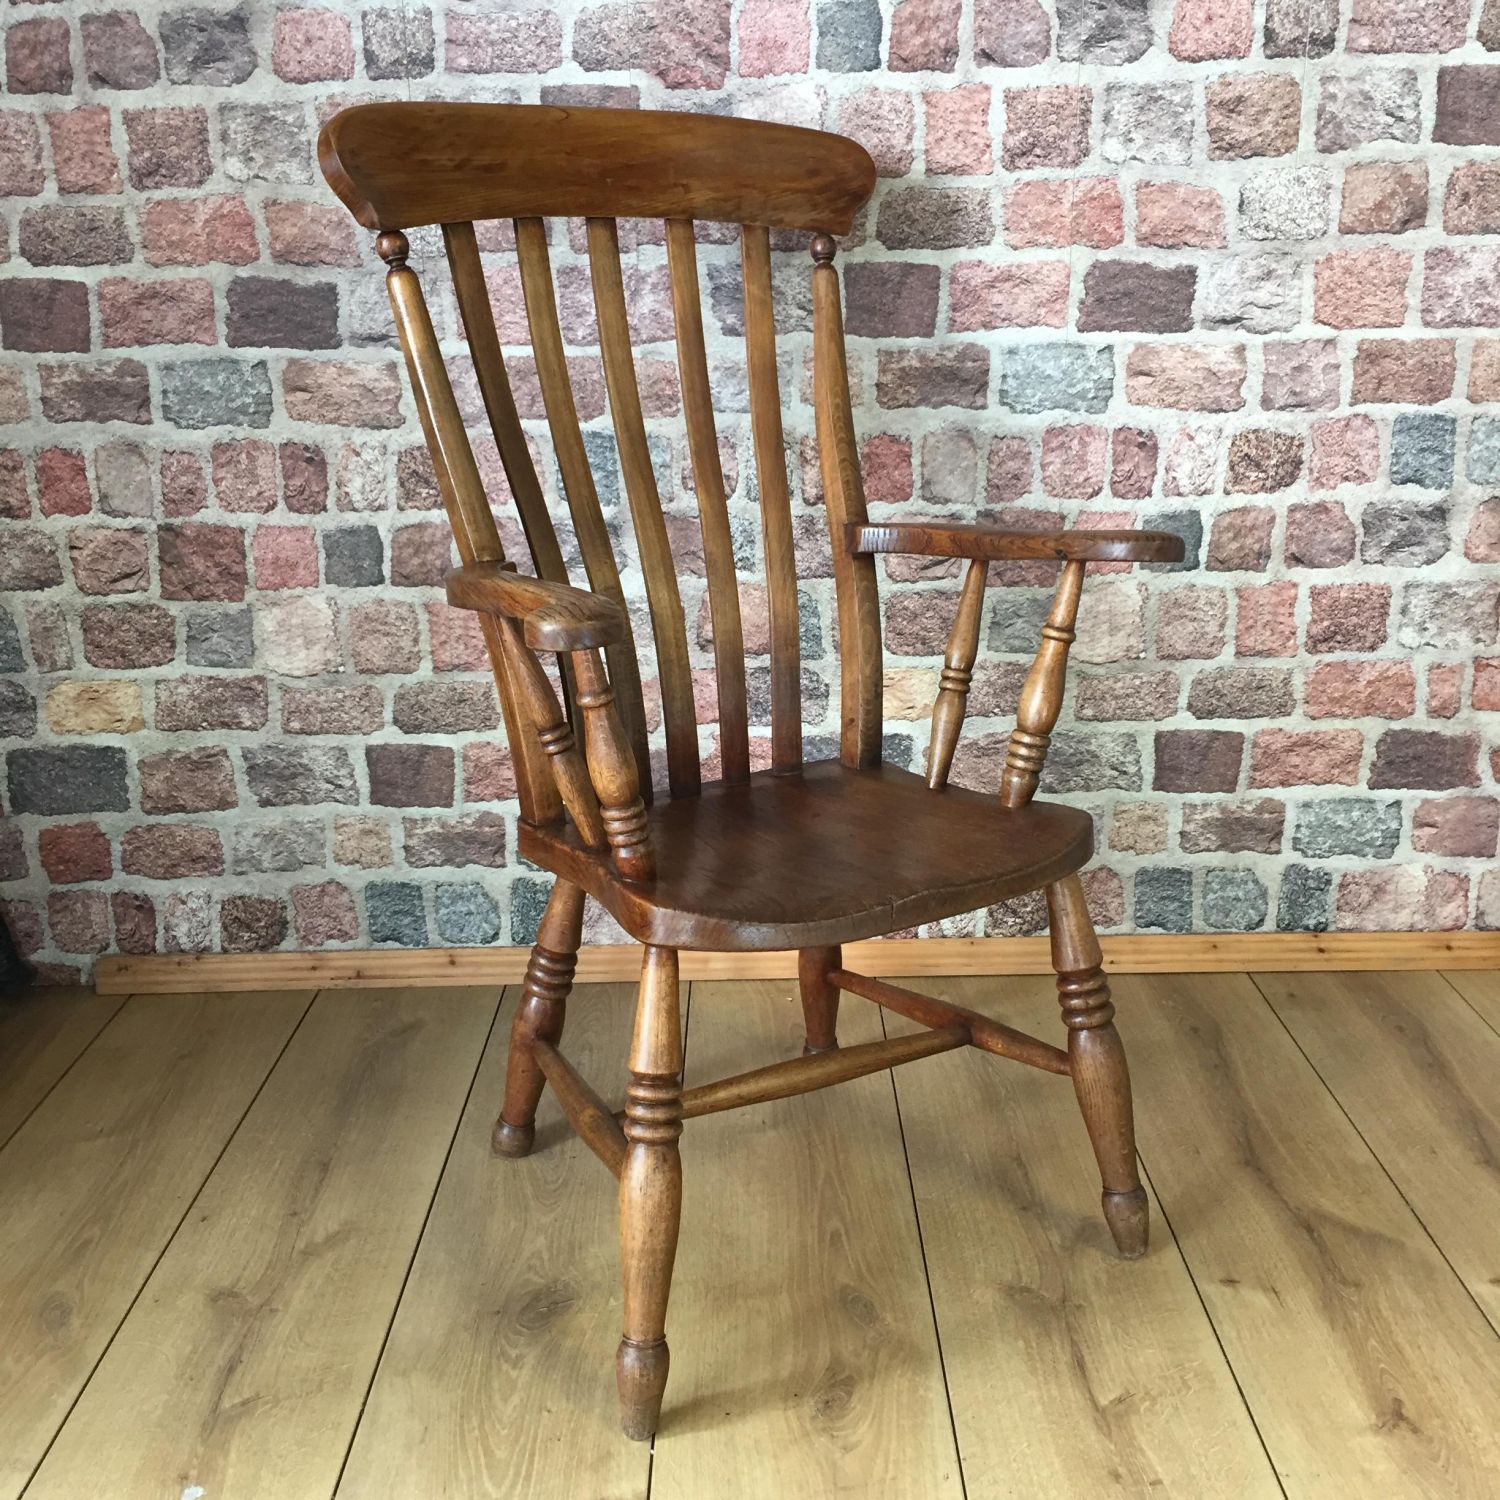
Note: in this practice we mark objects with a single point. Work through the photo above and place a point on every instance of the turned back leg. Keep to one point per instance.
(1101, 1077)
(544, 997)
(650, 1193)
(820, 999)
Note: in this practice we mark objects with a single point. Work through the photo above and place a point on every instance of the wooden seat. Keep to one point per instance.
(821, 856)
(800, 856)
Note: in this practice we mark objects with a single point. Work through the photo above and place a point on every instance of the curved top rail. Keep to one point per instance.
(400, 164)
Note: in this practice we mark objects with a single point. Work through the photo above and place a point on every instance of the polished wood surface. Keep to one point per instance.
(399, 164)
(40, 1042)
(1304, 1310)
(723, 858)
(555, 616)
(930, 539)
(956, 676)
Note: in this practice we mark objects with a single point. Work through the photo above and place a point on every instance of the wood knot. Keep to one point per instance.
(392, 247)
(823, 248)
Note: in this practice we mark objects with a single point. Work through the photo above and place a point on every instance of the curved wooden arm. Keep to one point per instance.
(554, 616)
(993, 545)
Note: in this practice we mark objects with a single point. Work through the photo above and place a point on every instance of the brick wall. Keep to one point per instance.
(1226, 267)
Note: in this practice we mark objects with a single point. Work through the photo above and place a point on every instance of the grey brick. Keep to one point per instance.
(265, 143)
(1359, 826)
(220, 638)
(1422, 445)
(208, 46)
(215, 393)
(1404, 535)
(394, 909)
(1103, 32)
(1057, 377)
(67, 779)
(849, 36)
(466, 915)
(1164, 899)
(353, 557)
(1234, 901)
(1304, 900)
(295, 775)
(294, 844)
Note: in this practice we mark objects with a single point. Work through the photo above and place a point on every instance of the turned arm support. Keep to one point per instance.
(600, 787)
(923, 539)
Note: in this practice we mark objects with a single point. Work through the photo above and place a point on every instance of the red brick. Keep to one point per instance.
(1024, 294)
(118, 52)
(1046, 127)
(195, 231)
(1361, 689)
(71, 852)
(1177, 215)
(885, 462)
(1461, 286)
(1482, 541)
(958, 130)
(1411, 372)
(1206, 29)
(1198, 760)
(489, 774)
(1252, 114)
(1011, 33)
(1472, 205)
(171, 851)
(1362, 288)
(1383, 197)
(1486, 693)
(133, 312)
(228, 702)
(202, 562)
(1458, 827)
(1132, 470)
(1348, 616)
(37, 59)
(62, 483)
(310, 46)
(83, 156)
(1266, 620)
(285, 557)
(775, 37)
(109, 560)
(167, 147)
(1050, 213)
(311, 234)
(1444, 690)
(1305, 757)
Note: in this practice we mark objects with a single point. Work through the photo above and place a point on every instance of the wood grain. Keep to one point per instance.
(242, 1369)
(803, 1349)
(497, 1377)
(94, 1185)
(40, 1039)
(1368, 1368)
(923, 538)
(1418, 1072)
(1481, 990)
(1070, 1371)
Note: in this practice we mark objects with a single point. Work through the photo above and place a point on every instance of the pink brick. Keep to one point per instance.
(958, 130)
(1361, 690)
(1132, 469)
(1486, 693)
(184, 491)
(924, 36)
(883, 121)
(1362, 288)
(1018, 294)
(885, 462)
(245, 475)
(83, 156)
(1266, 620)
(1472, 205)
(194, 231)
(324, 914)
(1206, 29)
(311, 234)
(1345, 450)
(1305, 757)
(1186, 377)
(285, 557)
(489, 774)
(1176, 214)
(1011, 33)
(521, 42)
(1458, 827)
(135, 312)
(1046, 127)
(457, 639)
(775, 37)
(62, 483)
(1445, 685)
(1401, 899)
(1348, 616)
(1050, 213)
(1073, 461)
(311, 46)
(21, 174)
(1482, 541)
(1407, 25)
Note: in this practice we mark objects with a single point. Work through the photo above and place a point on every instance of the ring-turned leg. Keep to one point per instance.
(1101, 1077)
(650, 1192)
(820, 999)
(544, 996)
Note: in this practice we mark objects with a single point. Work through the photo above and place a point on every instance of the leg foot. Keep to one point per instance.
(1126, 1215)
(650, 1193)
(1101, 1077)
(820, 999)
(512, 1140)
(641, 1374)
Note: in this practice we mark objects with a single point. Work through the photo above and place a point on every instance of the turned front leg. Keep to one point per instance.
(820, 997)
(544, 996)
(1096, 1059)
(650, 1193)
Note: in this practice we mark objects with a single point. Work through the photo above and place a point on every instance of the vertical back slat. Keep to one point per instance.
(713, 509)
(469, 515)
(578, 480)
(844, 494)
(673, 667)
(494, 386)
(775, 502)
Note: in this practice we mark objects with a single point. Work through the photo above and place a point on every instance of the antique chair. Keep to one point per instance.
(804, 856)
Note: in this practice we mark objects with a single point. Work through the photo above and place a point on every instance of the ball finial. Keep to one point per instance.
(823, 248)
(392, 247)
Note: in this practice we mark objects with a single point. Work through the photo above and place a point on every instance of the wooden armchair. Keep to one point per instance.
(804, 856)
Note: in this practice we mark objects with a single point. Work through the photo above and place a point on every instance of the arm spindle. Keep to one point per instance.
(958, 673)
(612, 768)
(1041, 694)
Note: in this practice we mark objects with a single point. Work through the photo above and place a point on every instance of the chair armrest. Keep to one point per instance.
(990, 544)
(554, 616)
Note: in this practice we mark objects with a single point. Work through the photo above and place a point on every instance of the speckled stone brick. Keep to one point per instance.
(1137, 296)
(883, 121)
(1285, 203)
(1303, 901)
(472, 839)
(1467, 99)
(209, 702)
(1450, 616)
(1234, 900)
(75, 235)
(1189, 377)
(1263, 461)
(312, 45)
(397, 43)
(685, 44)
(118, 52)
(394, 911)
(299, 775)
(1399, 26)
(324, 913)
(1377, 104)
(1301, 28)
(1164, 899)
(216, 393)
(1422, 449)
(275, 312)
(134, 917)
(79, 920)
(208, 46)
(185, 781)
(265, 142)
(109, 560)
(924, 36)
(1172, 215)
(1148, 123)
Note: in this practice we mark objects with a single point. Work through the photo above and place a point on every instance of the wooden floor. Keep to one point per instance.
(256, 1246)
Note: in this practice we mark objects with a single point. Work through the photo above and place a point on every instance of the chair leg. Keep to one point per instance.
(544, 996)
(1101, 1077)
(820, 1000)
(650, 1193)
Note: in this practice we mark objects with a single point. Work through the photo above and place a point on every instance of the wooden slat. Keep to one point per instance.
(1481, 990)
(468, 510)
(578, 480)
(713, 509)
(242, 1369)
(498, 1377)
(40, 1039)
(803, 1351)
(94, 1184)
(1418, 1072)
(855, 587)
(662, 595)
(1071, 1372)
(1367, 1366)
(478, 317)
(775, 501)
(802, 1075)
(1143, 953)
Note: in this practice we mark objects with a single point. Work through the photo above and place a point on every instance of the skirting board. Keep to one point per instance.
(1139, 953)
